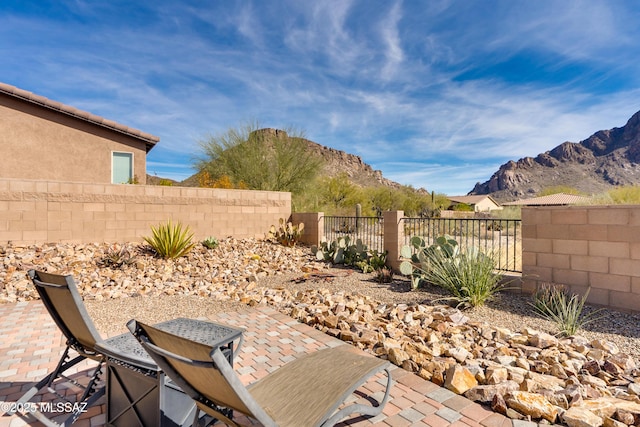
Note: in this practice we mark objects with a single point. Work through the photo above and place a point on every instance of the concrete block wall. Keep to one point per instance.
(46, 211)
(584, 247)
(313, 226)
(393, 237)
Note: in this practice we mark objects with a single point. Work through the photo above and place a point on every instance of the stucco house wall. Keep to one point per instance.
(43, 139)
(481, 203)
(486, 205)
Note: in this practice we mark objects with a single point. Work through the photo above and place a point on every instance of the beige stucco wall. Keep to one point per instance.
(485, 206)
(582, 247)
(39, 143)
(34, 211)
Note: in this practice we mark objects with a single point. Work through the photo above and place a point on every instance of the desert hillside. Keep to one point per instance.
(606, 159)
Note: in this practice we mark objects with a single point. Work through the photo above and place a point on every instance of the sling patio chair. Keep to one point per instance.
(308, 391)
(61, 298)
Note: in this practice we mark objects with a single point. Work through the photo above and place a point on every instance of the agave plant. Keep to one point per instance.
(170, 240)
(116, 257)
(210, 242)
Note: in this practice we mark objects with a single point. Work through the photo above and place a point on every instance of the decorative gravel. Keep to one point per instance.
(509, 309)
(154, 290)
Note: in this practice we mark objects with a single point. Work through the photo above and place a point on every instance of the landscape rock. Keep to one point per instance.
(531, 404)
(486, 393)
(577, 416)
(525, 375)
(458, 379)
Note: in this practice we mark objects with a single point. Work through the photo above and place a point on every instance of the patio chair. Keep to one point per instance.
(61, 298)
(305, 392)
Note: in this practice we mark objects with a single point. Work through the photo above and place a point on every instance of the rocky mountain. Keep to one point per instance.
(335, 162)
(338, 161)
(606, 159)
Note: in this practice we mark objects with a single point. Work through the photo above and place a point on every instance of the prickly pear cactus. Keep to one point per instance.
(341, 251)
(286, 234)
(416, 260)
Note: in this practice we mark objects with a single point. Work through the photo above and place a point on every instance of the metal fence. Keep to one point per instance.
(366, 228)
(499, 237)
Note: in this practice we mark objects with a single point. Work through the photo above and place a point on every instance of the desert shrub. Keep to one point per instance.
(626, 195)
(170, 240)
(508, 212)
(463, 207)
(210, 242)
(258, 159)
(554, 303)
(468, 276)
(384, 275)
(566, 189)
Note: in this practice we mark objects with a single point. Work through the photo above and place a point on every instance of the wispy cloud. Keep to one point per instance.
(435, 94)
(393, 44)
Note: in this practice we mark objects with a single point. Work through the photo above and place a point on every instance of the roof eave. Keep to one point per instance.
(149, 139)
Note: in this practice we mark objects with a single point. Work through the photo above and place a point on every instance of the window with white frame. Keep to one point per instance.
(121, 167)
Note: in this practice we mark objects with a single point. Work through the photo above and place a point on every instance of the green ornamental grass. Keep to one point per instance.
(170, 241)
(556, 305)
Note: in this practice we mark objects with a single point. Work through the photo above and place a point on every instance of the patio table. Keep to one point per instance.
(139, 393)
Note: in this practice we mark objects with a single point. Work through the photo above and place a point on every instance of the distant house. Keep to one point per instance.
(558, 199)
(46, 140)
(481, 203)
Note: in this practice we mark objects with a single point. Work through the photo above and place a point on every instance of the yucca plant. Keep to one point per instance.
(470, 277)
(555, 304)
(170, 241)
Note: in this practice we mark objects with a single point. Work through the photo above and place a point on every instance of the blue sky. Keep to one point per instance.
(436, 94)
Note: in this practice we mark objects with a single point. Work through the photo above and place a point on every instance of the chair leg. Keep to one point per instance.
(360, 408)
(89, 397)
(62, 366)
(217, 415)
(195, 418)
(79, 409)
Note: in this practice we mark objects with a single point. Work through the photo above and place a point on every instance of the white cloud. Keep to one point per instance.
(391, 39)
(382, 82)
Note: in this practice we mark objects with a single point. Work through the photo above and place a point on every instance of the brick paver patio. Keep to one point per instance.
(31, 345)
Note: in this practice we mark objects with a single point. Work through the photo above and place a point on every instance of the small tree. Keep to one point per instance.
(259, 159)
(338, 193)
(382, 199)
